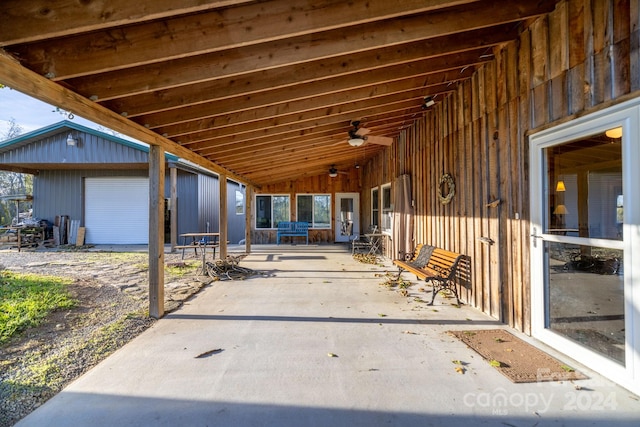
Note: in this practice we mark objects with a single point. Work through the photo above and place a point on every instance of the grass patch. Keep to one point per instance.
(182, 269)
(118, 257)
(27, 299)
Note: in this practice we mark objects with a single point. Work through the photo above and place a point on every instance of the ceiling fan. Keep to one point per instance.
(333, 172)
(359, 135)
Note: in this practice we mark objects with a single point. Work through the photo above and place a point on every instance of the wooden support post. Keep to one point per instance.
(174, 207)
(248, 197)
(156, 231)
(223, 216)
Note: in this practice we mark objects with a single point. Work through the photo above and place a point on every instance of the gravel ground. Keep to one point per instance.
(112, 308)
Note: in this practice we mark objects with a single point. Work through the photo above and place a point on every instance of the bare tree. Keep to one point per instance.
(12, 183)
(14, 130)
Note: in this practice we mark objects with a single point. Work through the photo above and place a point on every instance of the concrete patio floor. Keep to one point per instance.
(267, 342)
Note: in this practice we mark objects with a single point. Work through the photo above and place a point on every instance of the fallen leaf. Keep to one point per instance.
(409, 332)
(495, 363)
(209, 353)
(332, 355)
(460, 370)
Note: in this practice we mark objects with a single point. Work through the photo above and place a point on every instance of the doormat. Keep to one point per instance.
(515, 359)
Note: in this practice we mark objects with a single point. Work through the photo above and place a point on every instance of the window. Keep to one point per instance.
(239, 202)
(387, 208)
(315, 209)
(375, 207)
(271, 209)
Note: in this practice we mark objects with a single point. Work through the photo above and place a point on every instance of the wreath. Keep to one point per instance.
(446, 180)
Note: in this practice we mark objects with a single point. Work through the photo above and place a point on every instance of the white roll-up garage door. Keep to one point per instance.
(117, 210)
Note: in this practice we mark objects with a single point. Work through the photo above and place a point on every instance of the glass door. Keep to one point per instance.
(583, 212)
(346, 216)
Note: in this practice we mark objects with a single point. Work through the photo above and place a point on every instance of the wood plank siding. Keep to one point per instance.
(579, 58)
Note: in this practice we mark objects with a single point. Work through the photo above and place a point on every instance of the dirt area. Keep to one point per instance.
(111, 291)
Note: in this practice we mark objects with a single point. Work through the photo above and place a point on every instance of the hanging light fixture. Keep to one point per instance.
(560, 186)
(614, 133)
(428, 102)
(71, 141)
(356, 141)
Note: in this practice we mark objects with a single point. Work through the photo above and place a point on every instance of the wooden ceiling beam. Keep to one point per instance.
(215, 31)
(12, 74)
(275, 175)
(320, 94)
(297, 171)
(295, 160)
(426, 85)
(321, 133)
(291, 152)
(340, 127)
(180, 86)
(263, 147)
(342, 112)
(287, 146)
(32, 21)
(323, 162)
(209, 147)
(318, 137)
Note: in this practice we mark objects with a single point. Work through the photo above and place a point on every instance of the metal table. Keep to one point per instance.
(376, 242)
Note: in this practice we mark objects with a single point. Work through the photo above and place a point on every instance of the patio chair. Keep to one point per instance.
(362, 243)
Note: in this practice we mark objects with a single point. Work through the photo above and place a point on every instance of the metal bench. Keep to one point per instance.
(435, 266)
(293, 229)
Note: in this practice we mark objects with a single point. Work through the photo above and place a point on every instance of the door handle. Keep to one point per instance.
(535, 237)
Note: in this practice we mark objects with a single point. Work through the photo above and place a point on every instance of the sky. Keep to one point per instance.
(30, 113)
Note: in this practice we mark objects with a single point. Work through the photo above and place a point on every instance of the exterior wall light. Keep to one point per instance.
(71, 141)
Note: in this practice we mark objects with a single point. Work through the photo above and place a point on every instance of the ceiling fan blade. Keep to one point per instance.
(380, 140)
(362, 131)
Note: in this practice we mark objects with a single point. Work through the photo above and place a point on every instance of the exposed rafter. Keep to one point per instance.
(243, 86)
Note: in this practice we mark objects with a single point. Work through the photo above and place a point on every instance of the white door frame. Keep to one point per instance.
(355, 227)
(627, 115)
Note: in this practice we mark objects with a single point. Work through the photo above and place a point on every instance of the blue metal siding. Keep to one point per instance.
(187, 187)
(90, 149)
(208, 203)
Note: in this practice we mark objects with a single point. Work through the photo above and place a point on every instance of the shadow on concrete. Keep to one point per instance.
(100, 409)
(377, 320)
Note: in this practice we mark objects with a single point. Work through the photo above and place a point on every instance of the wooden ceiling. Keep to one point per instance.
(267, 90)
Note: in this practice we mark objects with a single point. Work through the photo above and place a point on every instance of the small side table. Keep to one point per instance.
(376, 242)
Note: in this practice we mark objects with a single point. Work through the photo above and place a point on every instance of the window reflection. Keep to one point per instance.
(585, 298)
(584, 182)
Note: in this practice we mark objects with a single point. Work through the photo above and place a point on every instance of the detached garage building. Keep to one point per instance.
(102, 180)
